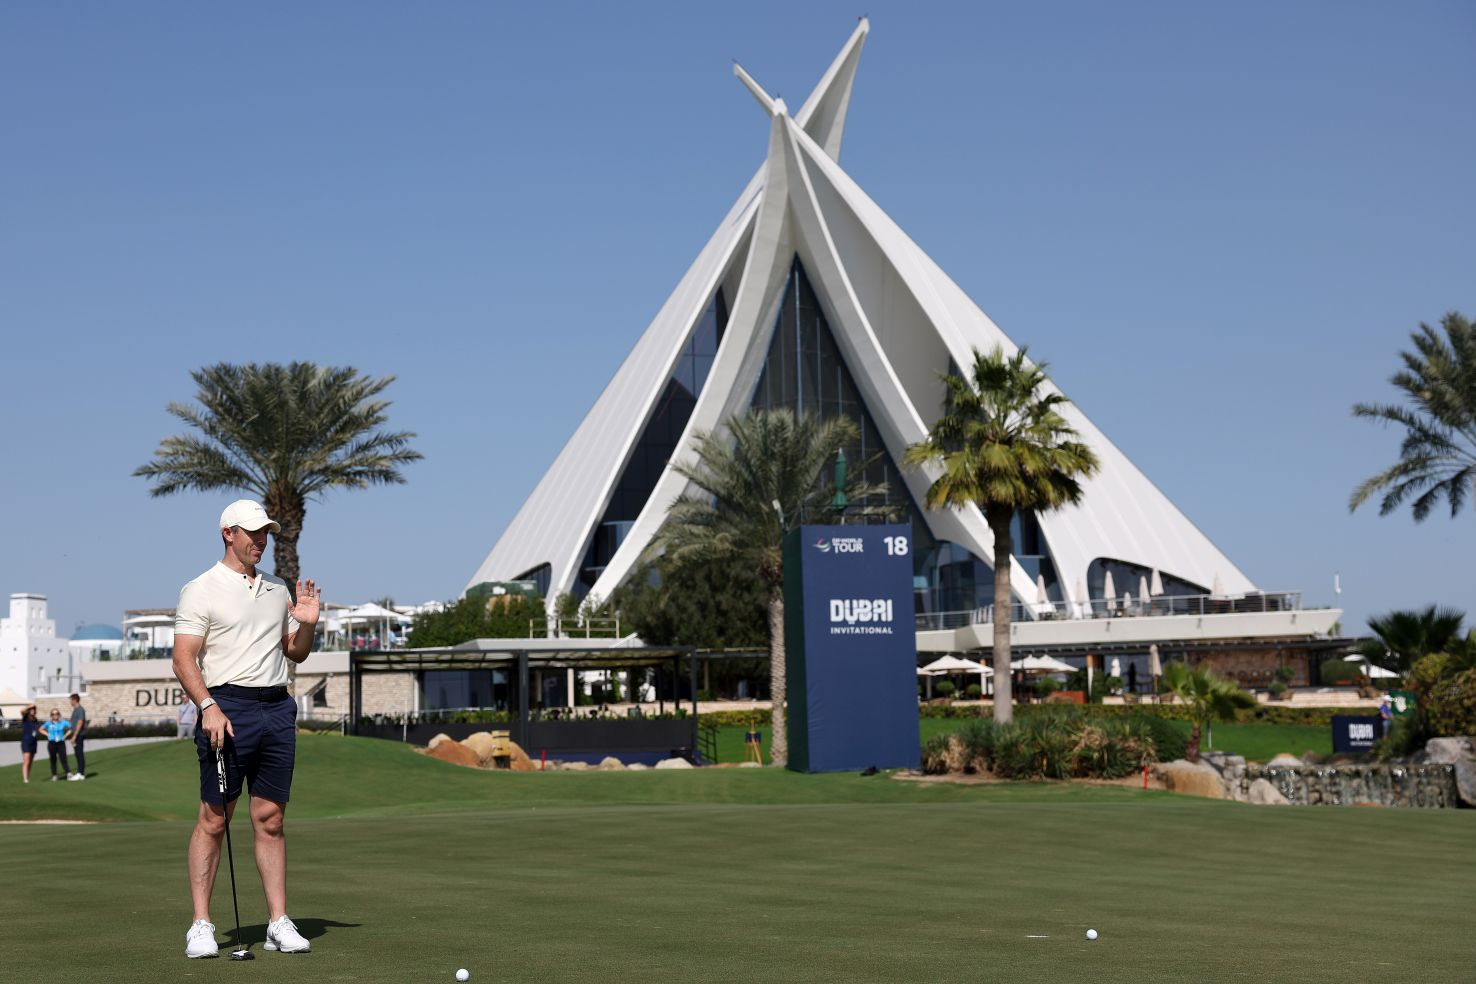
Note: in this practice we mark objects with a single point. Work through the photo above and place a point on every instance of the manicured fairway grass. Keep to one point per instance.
(404, 869)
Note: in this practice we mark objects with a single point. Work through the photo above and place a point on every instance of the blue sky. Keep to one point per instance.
(1217, 223)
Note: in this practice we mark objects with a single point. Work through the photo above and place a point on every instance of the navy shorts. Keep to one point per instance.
(263, 750)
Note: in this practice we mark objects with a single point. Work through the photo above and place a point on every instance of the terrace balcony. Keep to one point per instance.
(1128, 620)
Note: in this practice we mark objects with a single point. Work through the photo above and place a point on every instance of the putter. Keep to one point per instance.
(220, 774)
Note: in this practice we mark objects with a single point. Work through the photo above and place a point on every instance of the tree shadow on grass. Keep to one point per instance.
(310, 928)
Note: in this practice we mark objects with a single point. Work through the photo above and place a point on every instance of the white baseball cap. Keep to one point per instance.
(249, 515)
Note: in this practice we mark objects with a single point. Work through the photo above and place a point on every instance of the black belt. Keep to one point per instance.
(249, 693)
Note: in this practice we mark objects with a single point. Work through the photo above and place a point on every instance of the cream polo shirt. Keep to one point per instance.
(242, 623)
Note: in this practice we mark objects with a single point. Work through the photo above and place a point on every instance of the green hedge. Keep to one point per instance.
(159, 729)
(1065, 743)
(1261, 714)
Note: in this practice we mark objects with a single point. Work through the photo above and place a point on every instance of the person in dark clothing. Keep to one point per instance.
(79, 725)
(29, 727)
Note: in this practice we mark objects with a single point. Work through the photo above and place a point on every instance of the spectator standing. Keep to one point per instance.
(29, 727)
(56, 743)
(79, 725)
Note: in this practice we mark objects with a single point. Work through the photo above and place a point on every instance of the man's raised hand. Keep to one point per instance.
(309, 602)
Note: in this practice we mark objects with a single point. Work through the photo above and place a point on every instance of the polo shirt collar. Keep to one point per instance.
(257, 588)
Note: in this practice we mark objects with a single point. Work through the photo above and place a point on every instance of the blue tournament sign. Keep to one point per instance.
(851, 648)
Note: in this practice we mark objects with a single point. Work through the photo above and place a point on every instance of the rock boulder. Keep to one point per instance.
(674, 763)
(437, 740)
(1445, 751)
(518, 759)
(454, 752)
(1262, 793)
(611, 764)
(482, 743)
(1192, 779)
(1286, 759)
(1465, 777)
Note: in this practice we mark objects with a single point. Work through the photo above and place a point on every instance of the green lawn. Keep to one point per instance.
(404, 869)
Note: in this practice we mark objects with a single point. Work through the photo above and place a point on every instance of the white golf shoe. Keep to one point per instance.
(283, 935)
(200, 940)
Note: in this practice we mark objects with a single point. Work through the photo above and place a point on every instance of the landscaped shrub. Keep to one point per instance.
(1110, 748)
(936, 757)
(944, 688)
(973, 691)
(1338, 673)
(153, 729)
(976, 744)
(1169, 742)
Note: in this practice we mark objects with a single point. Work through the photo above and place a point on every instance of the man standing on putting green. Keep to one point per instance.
(234, 631)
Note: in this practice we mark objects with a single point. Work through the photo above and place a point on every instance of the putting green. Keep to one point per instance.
(404, 869)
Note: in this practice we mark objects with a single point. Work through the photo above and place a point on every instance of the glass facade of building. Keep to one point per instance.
(657, 442)
(806, 372)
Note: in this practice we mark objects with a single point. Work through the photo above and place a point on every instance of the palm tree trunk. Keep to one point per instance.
(1191, 750)
(779, 737)
(289, 510)
(999, 525)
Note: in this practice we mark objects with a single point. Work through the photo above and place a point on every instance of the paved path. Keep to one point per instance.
(10, 751)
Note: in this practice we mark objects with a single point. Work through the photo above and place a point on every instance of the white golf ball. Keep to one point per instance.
(1091, 935)
(463, 974)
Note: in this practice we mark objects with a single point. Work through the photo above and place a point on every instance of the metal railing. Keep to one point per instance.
(574, 628)
(1125, 607)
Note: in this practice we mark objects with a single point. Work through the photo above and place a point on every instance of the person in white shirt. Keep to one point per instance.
(235, 629)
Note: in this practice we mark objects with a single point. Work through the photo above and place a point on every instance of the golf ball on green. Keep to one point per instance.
(463, 974)
(1091, 935)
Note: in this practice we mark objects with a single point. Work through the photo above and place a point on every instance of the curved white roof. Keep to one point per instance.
(898, 320)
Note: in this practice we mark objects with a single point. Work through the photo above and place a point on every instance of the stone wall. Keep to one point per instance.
(134, 700)
(336, 694)
(1428, 786)
(386, 693)
(1288, 781)
(1255, 667)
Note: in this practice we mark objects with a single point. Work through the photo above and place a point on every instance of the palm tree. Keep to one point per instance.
(1209, 698)
(1403, 638)
(1004, 448)
(284, 434)
(1437, 458)
(765, 458)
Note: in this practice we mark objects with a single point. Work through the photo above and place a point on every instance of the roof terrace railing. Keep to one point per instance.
(1127, 606)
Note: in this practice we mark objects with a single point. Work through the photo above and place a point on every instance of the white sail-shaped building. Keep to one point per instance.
(809, 296)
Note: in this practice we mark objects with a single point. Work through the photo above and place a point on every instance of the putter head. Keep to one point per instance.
(242, 954)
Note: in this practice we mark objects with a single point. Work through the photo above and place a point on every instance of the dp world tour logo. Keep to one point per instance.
(840, 544)
(823, 544)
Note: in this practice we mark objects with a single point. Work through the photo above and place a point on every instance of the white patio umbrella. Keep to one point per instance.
(1083, 602)
(1127, 601)
(1042, 599)
(1144, 599)
(945, 665)
(1041, 664)
(1155, 668)
(1155, 584)
(1217, 590)
(1109, 591)
(1116, 667)
(372, 614)
(1374, 672)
